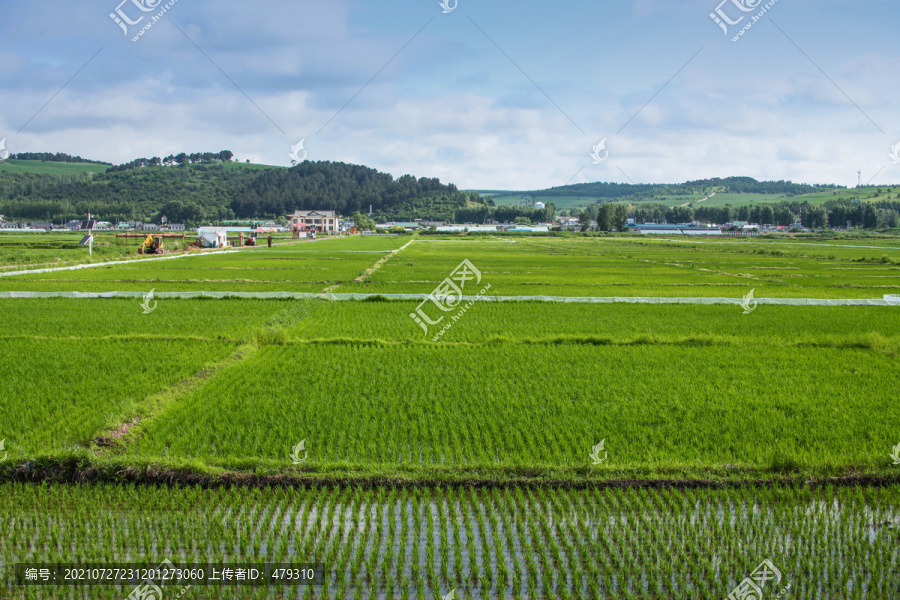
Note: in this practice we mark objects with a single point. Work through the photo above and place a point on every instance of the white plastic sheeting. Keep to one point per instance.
(463, 228)
(329, 252)
(887, 301)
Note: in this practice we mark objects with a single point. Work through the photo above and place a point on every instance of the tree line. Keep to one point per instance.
(179, 159)
(879, 214)
(488, 213)
(54, 157)
(609, 216)
(648, 191)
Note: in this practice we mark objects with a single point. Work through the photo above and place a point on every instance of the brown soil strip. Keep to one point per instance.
(115, 435)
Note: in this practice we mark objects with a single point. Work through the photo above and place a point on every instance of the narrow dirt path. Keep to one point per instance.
(373, 269)
(118, 439)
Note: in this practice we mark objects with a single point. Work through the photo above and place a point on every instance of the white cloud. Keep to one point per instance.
(444, 107)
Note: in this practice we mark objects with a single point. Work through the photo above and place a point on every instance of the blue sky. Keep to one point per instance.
(493, 95)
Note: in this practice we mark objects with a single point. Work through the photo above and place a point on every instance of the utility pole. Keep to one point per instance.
(858, 185)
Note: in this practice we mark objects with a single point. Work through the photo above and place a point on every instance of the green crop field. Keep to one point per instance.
(561, 202)
(673, 406)
(21, 251)
(633, 266)
(515, 449)
(296, 266)
(644, 266)
(719, 200)
(50, 167)
(68, 390)
(79, 168)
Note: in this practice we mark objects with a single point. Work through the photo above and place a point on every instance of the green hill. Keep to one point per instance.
(737, 191)
(721, 201)
(216, 189)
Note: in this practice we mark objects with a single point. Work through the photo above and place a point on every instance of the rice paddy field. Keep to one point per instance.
(531, 450)
(604, 267)
(642, 267)
(328, 262)
(42, 250)
(390, 543)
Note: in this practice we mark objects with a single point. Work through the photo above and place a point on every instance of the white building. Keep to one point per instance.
(213, 237)
(568, 221)
(461, 228)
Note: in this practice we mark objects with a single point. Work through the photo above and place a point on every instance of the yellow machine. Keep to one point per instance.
(152, 245)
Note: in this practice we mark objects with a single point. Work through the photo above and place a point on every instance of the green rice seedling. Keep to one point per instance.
(69, 391)
(695, 407)
(490, 506)
(455, 530)
(483, 553)
(819, 533)
(415, 547)
(472, 566)
(583, 526)
(431, 550)
(523, 523)
(401, 578)
(388, 556)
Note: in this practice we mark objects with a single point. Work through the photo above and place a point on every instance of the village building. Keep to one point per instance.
(213, 237)
(317, 221)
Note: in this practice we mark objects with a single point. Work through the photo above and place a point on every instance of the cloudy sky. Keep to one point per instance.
(494, 94)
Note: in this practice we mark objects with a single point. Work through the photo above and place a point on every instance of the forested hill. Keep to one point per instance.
(645, 191)
(219, 190)
(346, 189)
(204, 187)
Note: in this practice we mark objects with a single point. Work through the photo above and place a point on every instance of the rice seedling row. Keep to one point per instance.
(552, 544)
(508, 406)
(125, 317)
(523, 322)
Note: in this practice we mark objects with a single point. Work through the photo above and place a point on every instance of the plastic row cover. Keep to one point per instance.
(887, 301)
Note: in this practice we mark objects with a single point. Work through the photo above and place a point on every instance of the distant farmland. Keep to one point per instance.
(50, 167)
(719, 200)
